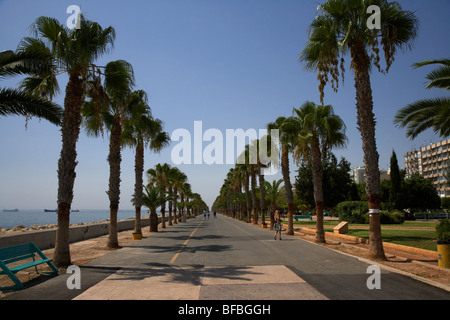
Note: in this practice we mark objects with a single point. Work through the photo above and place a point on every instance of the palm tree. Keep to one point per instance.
(171, 181)
(70, 55)
(141, 131)
(243, 166)
(341, 27)
(288, 129)
(153, 197)
(109, 104)
(264, 143)
(429, 113)
(320, 129)
(179, 179)
(273, 193)
(185, 192)
(17, 102)
(160, 176)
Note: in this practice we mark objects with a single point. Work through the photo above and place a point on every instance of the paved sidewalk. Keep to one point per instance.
(225, 259)
(189, 283)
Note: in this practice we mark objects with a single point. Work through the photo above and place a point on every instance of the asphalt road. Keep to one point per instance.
(240, 261)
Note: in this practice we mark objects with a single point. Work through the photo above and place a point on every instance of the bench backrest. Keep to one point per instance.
(18, 252)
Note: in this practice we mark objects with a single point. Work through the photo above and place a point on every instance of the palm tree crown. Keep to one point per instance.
(341, 27)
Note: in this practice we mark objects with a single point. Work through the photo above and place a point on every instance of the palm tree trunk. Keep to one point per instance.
(182, 208)
(247, 194)
(366, 125)
(66, 166)
(175, 196)
(170, 205)
(253, 181)
(262, 195)
(272, 216)
(138, 170)
(287, 187)
(153, 220)
(114, 160)
(317, 171)
(163, 215)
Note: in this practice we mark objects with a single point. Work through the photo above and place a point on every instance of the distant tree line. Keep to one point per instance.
(412, 194)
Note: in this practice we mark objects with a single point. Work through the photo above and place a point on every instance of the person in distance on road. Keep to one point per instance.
(277, 225)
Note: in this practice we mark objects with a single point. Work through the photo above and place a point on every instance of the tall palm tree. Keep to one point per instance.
(142, 131)
(179, 179)
(185, 192)
(243, 164)
(160, 176)
(72, 56)
(153, 197)
(17, 102)
(173, 178)
(339, 28)
(288, 129)
(320, 129)
(273, 193)
(109, 104)
(429, 113)
(268, 144)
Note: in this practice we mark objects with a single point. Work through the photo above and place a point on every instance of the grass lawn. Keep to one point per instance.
(423, 239)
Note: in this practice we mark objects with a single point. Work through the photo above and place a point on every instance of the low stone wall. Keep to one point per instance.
(45, 239)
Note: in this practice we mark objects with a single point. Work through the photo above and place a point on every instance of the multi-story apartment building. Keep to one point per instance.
(431, 162)
(357, 174)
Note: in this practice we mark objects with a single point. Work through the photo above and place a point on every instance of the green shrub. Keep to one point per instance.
(445, 203)
(353, 211)
(395, 217)
(357, 212)
(443, 232)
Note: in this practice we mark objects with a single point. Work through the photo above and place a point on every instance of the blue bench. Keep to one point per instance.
(300, 217)
(22, 252)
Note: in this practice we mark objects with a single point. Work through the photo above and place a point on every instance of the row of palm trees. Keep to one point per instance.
(310, 132)
(96, 98)
(340, 27)
(166, 183)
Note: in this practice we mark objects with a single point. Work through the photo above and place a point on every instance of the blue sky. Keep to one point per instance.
(231, 64)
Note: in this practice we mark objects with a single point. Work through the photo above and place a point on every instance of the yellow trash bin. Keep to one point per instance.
(444, 255)
(137, 236)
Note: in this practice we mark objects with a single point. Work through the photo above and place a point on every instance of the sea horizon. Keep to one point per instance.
(29, 217)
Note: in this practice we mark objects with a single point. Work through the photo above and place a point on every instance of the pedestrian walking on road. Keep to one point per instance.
(277, 225)
(204, 214)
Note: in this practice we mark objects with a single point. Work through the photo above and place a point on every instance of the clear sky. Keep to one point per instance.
(228, 63)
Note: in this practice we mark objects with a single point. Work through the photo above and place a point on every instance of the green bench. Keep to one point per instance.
(22, 252)
(300, 217)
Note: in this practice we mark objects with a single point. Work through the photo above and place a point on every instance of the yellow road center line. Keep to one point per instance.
(184, 244)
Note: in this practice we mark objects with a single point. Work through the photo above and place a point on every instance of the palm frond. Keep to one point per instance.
(423, 115)
(15, 102)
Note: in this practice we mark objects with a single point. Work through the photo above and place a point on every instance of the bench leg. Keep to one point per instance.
(52, 266)
(12, 276)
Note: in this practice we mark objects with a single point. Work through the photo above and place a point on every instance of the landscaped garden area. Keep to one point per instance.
(419, 234)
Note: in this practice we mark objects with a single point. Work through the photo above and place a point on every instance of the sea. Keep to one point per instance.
(31, 217)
